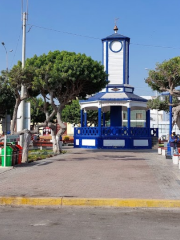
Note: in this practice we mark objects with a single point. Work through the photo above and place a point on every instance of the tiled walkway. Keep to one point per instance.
(95, 174)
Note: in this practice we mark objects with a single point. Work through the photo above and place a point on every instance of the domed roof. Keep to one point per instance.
(115, 36)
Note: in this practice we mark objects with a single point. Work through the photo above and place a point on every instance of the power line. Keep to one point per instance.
(80, 35)
(146, 45)
(54, 30)
(16, 47)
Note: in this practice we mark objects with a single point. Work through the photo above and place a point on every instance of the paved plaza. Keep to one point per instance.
(87, 173)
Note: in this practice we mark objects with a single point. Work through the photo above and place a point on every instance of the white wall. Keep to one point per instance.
(115, 66)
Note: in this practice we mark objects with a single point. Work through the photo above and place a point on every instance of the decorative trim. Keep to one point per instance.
(113, 142)
(107, 58)
(115, 89)
(128, 62)
(110, 45)
(140, 143)
(88, 142)
(128, 117)
(124, 63)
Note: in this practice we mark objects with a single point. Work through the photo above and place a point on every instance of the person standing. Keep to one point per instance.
(173, 143)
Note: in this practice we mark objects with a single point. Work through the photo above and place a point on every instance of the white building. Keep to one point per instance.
(160, 119)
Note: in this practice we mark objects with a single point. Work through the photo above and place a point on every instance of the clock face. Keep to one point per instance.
(116, 46)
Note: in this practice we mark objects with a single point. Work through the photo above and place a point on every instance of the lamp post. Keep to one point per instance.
(6, 55)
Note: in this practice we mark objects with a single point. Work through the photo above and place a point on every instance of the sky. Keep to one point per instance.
(79, 25)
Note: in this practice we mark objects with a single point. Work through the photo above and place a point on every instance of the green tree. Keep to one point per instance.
(166, 78)
(160, 103)
(37, 111)
(71, 114)
(14, 79)
(7, 98)
(62, 77)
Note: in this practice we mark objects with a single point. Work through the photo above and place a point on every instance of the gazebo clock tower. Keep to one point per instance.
(117, 97)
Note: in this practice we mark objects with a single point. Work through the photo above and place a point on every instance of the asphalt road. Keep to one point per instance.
(88, 223)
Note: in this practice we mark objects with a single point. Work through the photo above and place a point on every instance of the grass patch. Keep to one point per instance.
(36, 154)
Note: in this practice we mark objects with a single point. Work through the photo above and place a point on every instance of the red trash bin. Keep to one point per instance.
(20, 153)
(14, 155)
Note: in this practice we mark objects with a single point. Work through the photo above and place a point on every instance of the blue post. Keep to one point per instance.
(116, 116)
(128, 118)
(85, 119)
(99, 121)
(170, 125)
(82, 118)
(104, 119)
(148, 118)
(170, 115)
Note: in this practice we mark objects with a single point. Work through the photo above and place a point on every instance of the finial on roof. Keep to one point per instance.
(115, 27)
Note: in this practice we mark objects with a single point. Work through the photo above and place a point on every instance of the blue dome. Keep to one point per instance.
(115, 36)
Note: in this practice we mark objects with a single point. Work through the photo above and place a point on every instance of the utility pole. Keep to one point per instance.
(23, 87)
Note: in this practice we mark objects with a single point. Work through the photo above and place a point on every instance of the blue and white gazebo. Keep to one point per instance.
(118, 97)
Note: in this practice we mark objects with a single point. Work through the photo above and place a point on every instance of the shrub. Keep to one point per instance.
(66, 138)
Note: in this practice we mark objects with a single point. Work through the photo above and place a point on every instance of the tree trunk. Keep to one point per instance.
(176, 116)
(27, 139)
(54, 142)
(61, 131)
(14, 119)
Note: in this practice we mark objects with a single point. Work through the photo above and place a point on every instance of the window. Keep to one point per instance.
(138, 115)
(124, 116)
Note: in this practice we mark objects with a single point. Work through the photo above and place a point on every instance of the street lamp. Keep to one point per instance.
(6, 55)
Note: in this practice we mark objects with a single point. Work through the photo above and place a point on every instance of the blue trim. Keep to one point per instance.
(85, 119)
(107, 58)
(116, 116)
(128, 65)
(116, 99)
(104, 119)
(124, 63)
(148, 118)
(99, 121)
(115, 133)
(118, 86)
(170, 115)
(128, 117)
(98, 96)
(99, 143)
(115, 36)
(82, 118)
(111, 46)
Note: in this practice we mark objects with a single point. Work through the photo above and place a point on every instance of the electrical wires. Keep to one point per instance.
(51, 29)
(16, 47)
(96, 38)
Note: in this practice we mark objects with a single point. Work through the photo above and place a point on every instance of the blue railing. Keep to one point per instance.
(116, 131)
(154, 132)
(86, 131)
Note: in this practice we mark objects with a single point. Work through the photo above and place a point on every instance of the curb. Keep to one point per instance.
(90, 202)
